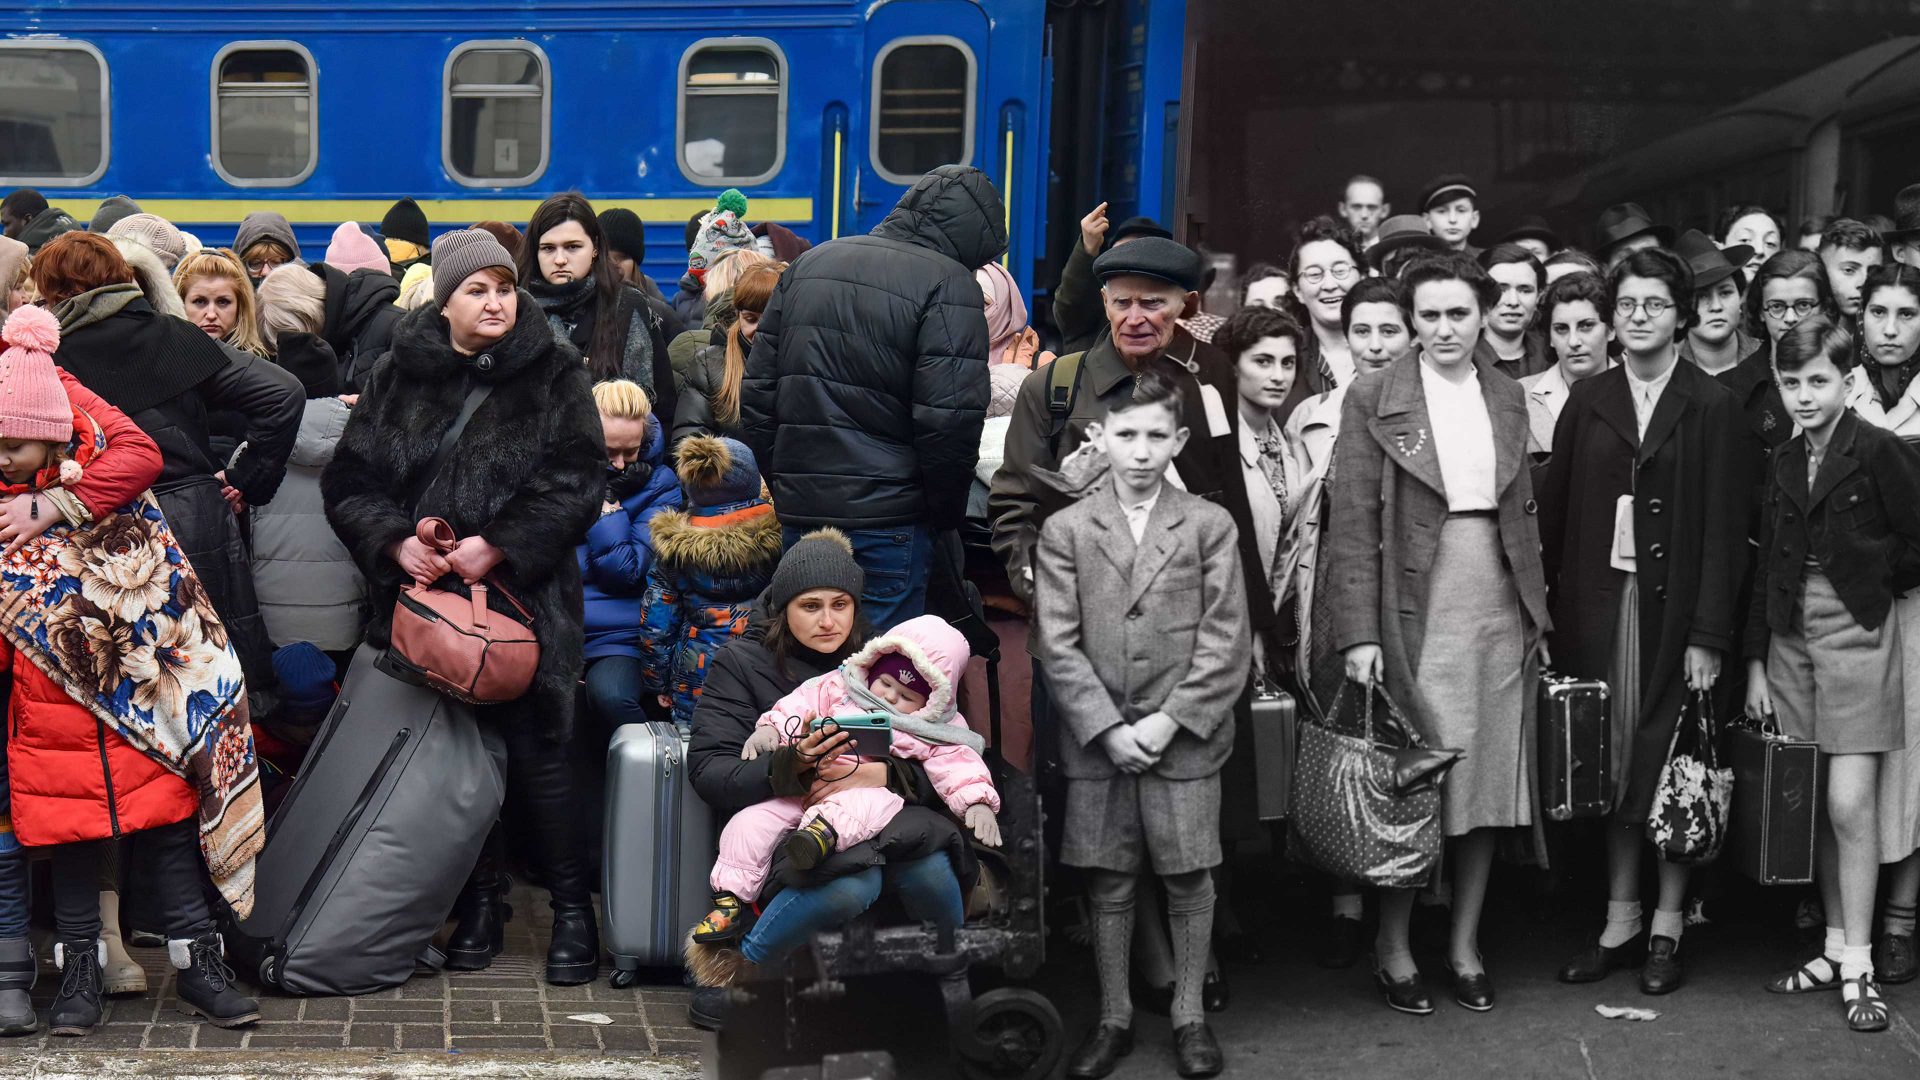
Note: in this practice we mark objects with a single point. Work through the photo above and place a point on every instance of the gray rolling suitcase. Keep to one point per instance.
(370, 849)
(660, 843)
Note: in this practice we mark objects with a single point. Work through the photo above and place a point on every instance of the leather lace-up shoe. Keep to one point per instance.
(1101, 1052)
(1196, 1052)
(1662, 973)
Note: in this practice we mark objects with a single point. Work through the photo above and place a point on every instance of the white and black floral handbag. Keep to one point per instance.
(1688, 822)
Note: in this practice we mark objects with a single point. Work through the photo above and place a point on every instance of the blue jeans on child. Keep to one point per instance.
(615, 693)
(13, 861)
(897, 560)
(927, 889)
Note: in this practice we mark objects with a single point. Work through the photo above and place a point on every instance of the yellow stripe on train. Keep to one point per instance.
(439, 211)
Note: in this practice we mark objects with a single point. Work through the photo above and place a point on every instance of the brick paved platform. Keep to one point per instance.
(507, 1010)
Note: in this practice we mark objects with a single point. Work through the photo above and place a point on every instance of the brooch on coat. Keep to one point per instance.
(1419, 441)
(1767, 421)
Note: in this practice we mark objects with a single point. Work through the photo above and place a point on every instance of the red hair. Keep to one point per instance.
(73, 263)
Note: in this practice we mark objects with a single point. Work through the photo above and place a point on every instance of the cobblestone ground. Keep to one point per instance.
(506, 1010)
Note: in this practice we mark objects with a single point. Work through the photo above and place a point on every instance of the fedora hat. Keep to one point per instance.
(1534, 227)
(1401, 231)
(1624, 221)
(1906, 216)
(1710, 263)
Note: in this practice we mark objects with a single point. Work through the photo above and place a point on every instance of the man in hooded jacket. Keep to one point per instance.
(867, 385)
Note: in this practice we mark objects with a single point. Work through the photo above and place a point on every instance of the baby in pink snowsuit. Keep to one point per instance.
(911, 673)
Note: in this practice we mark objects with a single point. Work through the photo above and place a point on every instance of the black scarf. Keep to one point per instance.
(1891, 381)
(136, 358)
(572, 305)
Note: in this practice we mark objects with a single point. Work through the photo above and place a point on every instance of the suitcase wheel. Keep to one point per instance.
(1015, 1034)
(267, 971)
(620, 980)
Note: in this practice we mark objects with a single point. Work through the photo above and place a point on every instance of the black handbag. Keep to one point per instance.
(1688, 823)
(1366, 802)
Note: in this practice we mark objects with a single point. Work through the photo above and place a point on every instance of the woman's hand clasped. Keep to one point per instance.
(1703, 667)
(1366, 664)
(473, 559)
(420, 562)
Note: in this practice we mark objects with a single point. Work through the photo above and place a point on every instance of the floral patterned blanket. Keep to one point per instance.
(112, 613)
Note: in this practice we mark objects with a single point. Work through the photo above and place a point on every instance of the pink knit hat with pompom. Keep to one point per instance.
(33, 404)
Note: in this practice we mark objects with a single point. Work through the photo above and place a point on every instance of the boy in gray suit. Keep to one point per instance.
(1143, 632)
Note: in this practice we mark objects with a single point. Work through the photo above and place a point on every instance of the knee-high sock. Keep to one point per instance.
(1190, 922)
(1112, 896)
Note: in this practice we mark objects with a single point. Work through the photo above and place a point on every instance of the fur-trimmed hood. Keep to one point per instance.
(733, 539)
(423, 349)
(938, 650)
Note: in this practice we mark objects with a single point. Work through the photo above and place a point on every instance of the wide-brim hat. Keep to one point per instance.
(1906, 216)
(1534, 227)
(1447, 188)
(1624, 221)
(1403, 231)
(1154, 257)
(1711, 264)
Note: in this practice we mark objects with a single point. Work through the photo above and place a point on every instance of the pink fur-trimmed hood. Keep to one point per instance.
(938, 650)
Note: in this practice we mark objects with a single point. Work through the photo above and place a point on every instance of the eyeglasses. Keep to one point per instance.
(263, 266)
(1655, 306)
(1777, 308)
(1341, 272)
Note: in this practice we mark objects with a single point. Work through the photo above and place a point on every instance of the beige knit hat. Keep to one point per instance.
(155, 232)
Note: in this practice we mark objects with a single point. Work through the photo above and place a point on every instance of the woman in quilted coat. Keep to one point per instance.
(710, 562)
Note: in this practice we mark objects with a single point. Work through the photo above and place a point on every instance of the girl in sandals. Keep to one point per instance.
(1840, 538)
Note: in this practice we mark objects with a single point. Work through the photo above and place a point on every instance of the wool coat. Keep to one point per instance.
(1385, 513)
(1126, 630)
(1689, 478)
(527, 474)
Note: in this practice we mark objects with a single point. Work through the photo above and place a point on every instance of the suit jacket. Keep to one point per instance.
(1860, 517)
(1690, 481)
(1128, 630)
(1388, 503)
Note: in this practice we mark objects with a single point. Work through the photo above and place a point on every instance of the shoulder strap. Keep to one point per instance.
(1063, 388)
(475, 397)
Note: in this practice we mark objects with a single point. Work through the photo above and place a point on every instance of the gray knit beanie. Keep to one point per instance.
(823, 559)
(459, 254)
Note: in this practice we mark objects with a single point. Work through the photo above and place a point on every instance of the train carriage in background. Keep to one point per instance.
(822, 111)
(1841, 139)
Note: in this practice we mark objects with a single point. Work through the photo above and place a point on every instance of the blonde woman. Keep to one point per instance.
(718, 301)
(709, 402)
(218, 298)
(292, 301)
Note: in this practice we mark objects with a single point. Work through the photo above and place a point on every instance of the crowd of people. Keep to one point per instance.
(1676, 464)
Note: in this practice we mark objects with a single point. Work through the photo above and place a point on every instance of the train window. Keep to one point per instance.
(265, 104)
(733, 111)
(923, 89)
(497, 123)
(53, 125)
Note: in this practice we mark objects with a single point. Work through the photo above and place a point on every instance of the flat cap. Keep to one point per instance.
(1137, 226)
(1154, 257)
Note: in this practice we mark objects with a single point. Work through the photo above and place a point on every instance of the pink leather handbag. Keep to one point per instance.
(456, 644)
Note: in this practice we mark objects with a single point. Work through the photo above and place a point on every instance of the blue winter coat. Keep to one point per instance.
(709, 565)
(618, 553)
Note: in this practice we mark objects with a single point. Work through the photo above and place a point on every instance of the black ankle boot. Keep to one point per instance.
(76, 1010)
(574, 956)
(205, 983)
(480, 924)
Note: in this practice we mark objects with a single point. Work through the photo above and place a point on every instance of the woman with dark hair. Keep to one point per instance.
(568, 267)
(520, 487)
(1325, 263)
(1753, 226)
(1787, 288)
(1432, 548)
(1265, 285)
(807, 622)
(1643, 511)
(1886, 395)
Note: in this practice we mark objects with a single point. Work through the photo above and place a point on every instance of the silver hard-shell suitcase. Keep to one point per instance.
(660, 844)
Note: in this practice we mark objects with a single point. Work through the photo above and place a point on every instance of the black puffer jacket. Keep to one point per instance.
(359, 320)
(700, 381)
(528, 474)
(867, 385)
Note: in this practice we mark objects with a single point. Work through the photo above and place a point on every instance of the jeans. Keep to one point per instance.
(13, 861)
(926, 887)
(170, 855)
(897, 560)
(615, 694)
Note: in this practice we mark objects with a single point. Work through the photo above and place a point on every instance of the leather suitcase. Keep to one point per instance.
(1276, 742)
(660, 842)
(374, 841)
(1576, 763)
(1776, 802)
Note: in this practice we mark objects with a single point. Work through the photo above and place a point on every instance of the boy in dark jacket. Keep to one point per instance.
(1839, 539)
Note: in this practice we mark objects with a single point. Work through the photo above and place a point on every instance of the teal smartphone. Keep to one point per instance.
(872, 732)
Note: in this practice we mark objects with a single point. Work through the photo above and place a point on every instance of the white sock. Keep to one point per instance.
(1669, 924)
(1856, 961)
(1348, 907)
(1836, 944)
(1623, 923)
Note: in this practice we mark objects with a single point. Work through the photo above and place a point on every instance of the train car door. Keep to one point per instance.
(925, 63)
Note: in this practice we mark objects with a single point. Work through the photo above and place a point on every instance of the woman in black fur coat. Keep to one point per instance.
(520, 487)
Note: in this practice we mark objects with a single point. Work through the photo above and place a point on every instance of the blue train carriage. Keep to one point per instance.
(822, 111)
